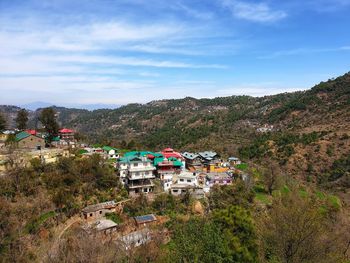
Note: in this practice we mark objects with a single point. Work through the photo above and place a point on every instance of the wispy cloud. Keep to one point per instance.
(194, 12)
(256, 12)
(302, 51)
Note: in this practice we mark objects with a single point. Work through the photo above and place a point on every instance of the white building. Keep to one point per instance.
(137, 174)
(110, 152)
(186, 178)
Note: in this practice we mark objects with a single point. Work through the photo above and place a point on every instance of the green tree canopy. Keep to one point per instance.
(2, 123)
(197, 240)
(48, 120)
(238, 231)
(22, 119)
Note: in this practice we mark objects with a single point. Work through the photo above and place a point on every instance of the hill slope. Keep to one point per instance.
(310, 128)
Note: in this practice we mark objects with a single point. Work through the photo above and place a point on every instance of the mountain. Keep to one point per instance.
(309, 129)
(40, 104)
(36, 105)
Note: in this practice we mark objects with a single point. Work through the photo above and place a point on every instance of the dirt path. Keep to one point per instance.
(52, 247)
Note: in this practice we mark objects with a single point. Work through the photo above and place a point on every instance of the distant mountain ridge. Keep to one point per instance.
(33, 106)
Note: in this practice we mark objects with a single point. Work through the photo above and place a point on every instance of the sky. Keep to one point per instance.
(75, 52)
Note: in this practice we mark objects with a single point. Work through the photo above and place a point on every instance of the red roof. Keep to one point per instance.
(66, 130)
(32, 132)
(150, 156)
(168, 150)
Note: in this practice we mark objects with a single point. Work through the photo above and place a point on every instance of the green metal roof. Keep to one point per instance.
(109, 148)
(158, 160)
(22, 135)
(177, 163)
(56, 139)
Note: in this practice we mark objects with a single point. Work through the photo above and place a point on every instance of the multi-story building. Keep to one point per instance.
(136, 172)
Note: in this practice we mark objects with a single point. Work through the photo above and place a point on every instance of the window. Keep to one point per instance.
(189, 180)
(136, 164)
(175, 190)
(100, 212)
(145, 190)
(181, 180)
(91, 214)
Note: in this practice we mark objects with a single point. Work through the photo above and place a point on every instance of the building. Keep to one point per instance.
(193, 161)
(27, 141)
(209, 158)
(187, 178)
(181, 189)
(137, 238)
(110, 152)
(169, 152)
(136, 172)
(94, 212)
(66, 138)
(166, 168)
(105, 226)
(218, 179)
(67, 135)
(234, 161)
(145, 220)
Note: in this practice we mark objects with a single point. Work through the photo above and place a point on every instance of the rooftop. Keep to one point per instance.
(100, 206)
(22, 135)
(190, 156)
(104, 224)
(208, 154)
(109, 148)
(145, 219)
(65, 130)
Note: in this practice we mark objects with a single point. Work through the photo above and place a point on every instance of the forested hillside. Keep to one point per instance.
(310, 129)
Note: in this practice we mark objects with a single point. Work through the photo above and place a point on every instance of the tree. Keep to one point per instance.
(48, 120)
(236, 194)
(238, 231)
(271, 176)
(197, 240)
(22, 119)
(2, 123)
(296, 230)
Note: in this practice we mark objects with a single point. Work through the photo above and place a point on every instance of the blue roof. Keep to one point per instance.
(145, 218)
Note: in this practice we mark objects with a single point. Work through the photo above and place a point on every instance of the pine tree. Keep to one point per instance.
(22, 119)
(2, 123)
(48, 120)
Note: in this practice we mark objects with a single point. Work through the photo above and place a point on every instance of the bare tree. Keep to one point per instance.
(271, 176)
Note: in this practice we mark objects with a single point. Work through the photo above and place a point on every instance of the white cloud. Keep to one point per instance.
(302, 51)
(193, 12)
(256, 12)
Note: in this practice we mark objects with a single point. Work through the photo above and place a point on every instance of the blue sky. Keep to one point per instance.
(118, 52)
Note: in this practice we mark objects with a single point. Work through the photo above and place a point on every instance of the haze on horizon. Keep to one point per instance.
(118, 52)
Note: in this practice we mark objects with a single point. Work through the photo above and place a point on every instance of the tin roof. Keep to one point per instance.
(145, 219)
(100, 206)
(22, 135)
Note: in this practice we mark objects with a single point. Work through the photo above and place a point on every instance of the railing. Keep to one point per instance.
(141, 168)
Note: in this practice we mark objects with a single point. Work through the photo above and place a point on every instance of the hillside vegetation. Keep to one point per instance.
(311, 129)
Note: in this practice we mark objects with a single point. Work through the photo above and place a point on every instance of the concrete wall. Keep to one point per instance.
(31, 142)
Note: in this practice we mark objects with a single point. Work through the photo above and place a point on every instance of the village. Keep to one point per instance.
(141, 173)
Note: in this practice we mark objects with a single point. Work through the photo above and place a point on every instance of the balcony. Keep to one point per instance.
(144, 183)
(141, 176)
(141, 168)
